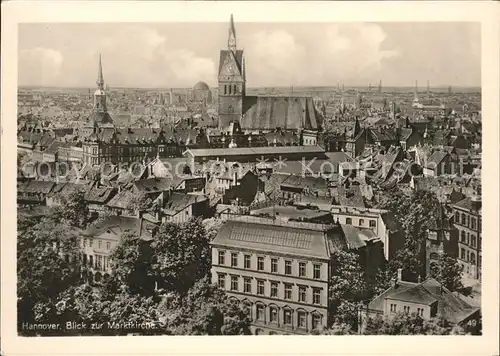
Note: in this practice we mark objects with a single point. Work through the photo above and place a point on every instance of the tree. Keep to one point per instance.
(415, 213)
(406, 324)
(203, 310)
(212, 226)
(335, 329)
(347, 287)
(182, 255)
(140, 202)
(448, 272)
(47, 265)
(74, 209)
(132, 262)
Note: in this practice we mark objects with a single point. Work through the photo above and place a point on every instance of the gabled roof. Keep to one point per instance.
(122, 200)
(390, 221)
(436, 158)
(236, 57)
(153, 185)
(307, 182)
(351, 196)
(54, 147)
(470, 204)
(357, 237)
(99, 194)
(430, 291)
(338, 157)
(120, 225)
(441, 137)
(384, 134)
(36, 186)
(180, 201)
(66, 188)
(417, 294)
(405, 133)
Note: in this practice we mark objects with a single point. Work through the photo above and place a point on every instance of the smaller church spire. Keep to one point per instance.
(231, 41)
(100, 78)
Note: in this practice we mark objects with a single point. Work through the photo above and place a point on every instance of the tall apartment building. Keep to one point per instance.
(467, 220)
(280, 269)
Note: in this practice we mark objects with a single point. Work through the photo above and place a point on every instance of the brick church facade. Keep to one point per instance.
(256, 114)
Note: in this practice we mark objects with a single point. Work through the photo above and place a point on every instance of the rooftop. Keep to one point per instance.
(274, 236)
(238, 151)
(450, 306)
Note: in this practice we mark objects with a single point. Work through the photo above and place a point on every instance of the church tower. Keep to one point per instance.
(100, 94)
(232, 81)
(99, 116)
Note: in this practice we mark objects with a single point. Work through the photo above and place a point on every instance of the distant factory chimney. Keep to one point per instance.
(380, 86)
(428, 88)
(449, 90)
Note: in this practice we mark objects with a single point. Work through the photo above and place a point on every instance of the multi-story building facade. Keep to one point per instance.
(467, 220)
(98, 242)
(279, 270)
(382, 222)
(103, 142)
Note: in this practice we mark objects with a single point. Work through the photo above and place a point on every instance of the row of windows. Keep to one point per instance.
(406, 309)
(466, 255)
(90, 243)
(469, 239)
(93, 161)
(100, 262)
(230, 89)
(273, 317)
(87, 150)
(310, 141)
(247, 264)
(466, 220)
(361, 222)
(302, 295)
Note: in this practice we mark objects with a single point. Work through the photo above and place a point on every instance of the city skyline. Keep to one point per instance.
(277, 55)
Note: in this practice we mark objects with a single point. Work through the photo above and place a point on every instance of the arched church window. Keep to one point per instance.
(225, 89)
(230, 91)
(234, 88)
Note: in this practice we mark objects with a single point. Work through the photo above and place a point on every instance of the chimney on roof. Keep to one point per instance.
(419, 278)
(400, 275)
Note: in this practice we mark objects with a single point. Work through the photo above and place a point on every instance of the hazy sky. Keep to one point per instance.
(277, 54)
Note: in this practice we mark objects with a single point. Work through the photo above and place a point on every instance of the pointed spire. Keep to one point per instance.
(357, 127)
(231, 41)
(100, 78)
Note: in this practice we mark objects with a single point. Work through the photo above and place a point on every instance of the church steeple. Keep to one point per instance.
(100, 78)
(231, 41)
(100, 94)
